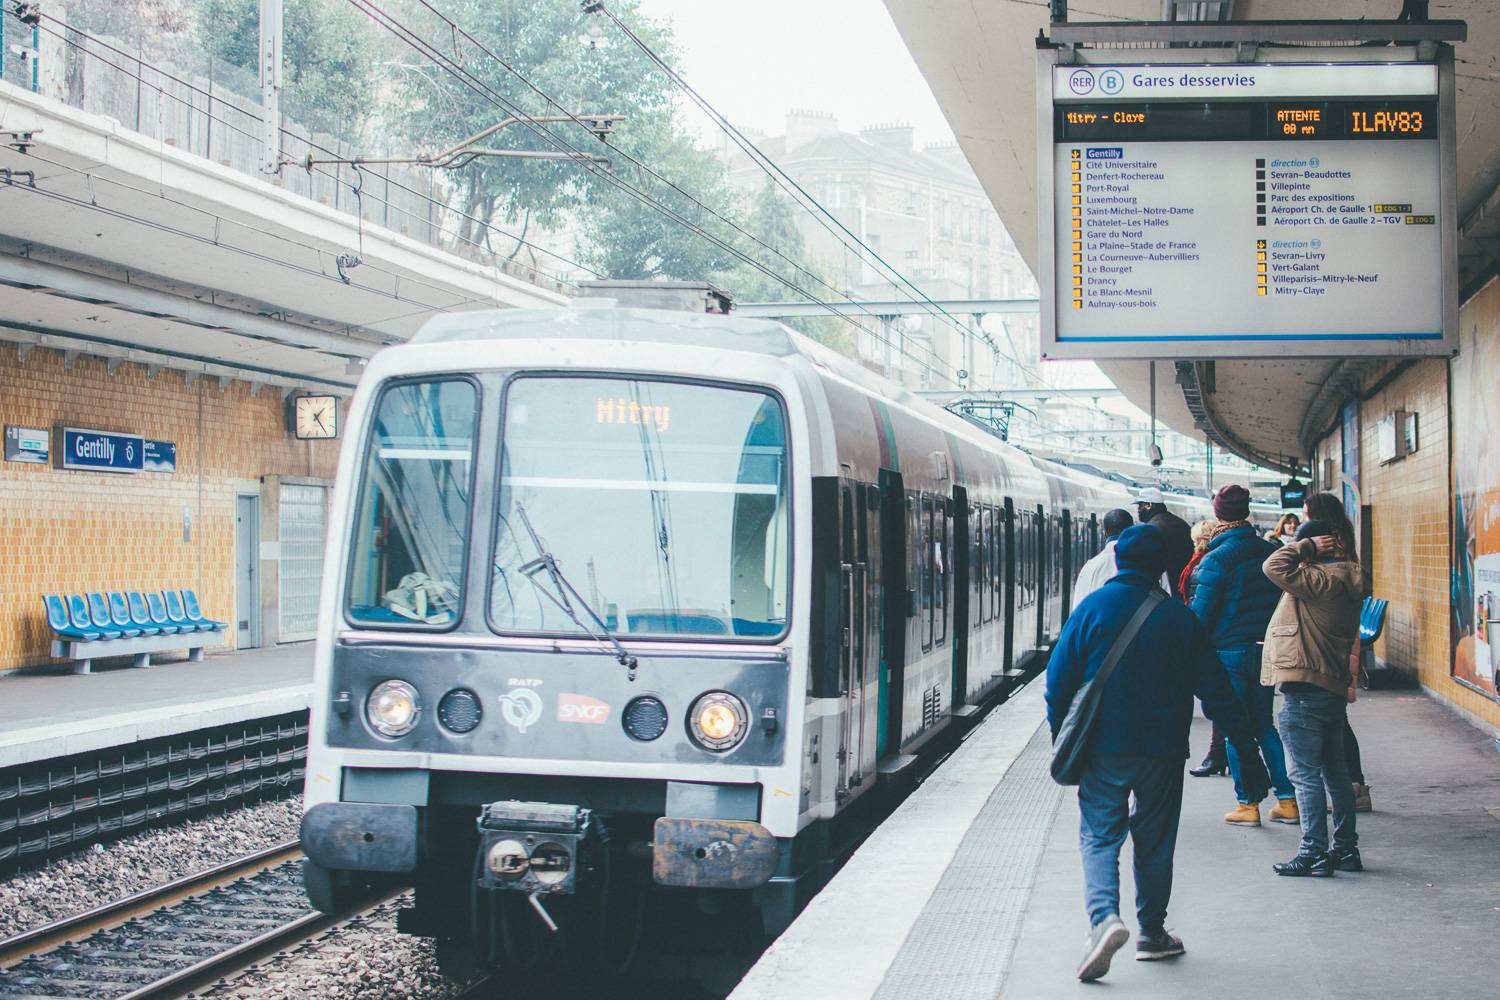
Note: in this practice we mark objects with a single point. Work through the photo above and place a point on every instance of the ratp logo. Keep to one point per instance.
(521, 708)
(1081, 82)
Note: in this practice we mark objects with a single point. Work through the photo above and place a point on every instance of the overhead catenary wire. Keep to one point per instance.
(66, 36)
(789, 184)
(485, 91)
(552, 102)
(456, 30)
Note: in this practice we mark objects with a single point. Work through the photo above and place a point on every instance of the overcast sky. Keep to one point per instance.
(756, 59)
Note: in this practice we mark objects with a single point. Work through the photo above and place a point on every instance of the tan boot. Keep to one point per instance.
(1285, 811)
(1362, 798)
(1244, 814)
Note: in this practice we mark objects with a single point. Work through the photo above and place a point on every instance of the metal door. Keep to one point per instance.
(853, 639)
(246, 577)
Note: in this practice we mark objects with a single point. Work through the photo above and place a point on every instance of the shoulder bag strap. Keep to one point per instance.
(1127, 636)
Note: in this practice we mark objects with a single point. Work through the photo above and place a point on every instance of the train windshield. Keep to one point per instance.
(664, 505)
(411, 526)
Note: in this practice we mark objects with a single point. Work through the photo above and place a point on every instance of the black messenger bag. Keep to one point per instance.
(1070, 746)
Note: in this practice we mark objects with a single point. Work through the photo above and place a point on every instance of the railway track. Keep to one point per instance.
(170, 939)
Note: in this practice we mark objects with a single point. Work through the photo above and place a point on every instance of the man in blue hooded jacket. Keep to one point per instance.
(1139, 742)
(1234, 600)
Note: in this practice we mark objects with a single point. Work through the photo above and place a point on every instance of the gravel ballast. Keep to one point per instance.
(364, 959)
(107, 872)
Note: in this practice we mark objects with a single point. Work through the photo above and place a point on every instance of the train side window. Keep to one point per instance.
(1031, 557)
(1023, 556)
(928, 557)
(994, 531)
(942, 556)
(846, 532)
(975, 567)
(992, 565)
(411, 527)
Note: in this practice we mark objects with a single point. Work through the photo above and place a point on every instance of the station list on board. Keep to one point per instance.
(1247, 220)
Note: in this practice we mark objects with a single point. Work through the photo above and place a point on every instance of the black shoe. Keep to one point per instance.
(1346, 859)
(1153, 946)
(1303, 865)
(1211, 765)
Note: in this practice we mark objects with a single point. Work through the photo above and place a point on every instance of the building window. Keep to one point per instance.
(301, 572)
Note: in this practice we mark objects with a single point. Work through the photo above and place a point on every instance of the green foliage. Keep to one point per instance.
(328, 60)
(540, 39)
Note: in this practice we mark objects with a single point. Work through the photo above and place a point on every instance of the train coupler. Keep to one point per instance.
(537, 848)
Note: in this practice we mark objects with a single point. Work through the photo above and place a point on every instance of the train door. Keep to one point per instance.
(1008, 532)
(964, 572)
(853, 634)
(867, 551)
(896, 606)
(1069, 569)
(1039, 554)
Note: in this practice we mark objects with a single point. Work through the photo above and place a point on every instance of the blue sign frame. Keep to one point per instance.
(86, 450)
(159, 456)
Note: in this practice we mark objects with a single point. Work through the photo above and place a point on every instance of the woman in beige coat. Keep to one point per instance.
(1307, 657)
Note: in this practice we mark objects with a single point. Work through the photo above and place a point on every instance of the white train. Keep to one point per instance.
(625, 601)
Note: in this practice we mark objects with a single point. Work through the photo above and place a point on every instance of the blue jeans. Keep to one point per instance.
(1313, 722)
(1105, 814)
(1242, 663)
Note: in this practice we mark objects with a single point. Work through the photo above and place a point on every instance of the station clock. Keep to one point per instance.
(314, 418)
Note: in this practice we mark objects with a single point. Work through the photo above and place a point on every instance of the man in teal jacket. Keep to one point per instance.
(1234, 601)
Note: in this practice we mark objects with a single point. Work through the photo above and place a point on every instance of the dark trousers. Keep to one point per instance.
(1242, 663)
(1105, 815)
(1312, 725)
(1351, 753)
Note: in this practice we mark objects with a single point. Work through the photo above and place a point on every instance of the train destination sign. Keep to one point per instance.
(1228, 210)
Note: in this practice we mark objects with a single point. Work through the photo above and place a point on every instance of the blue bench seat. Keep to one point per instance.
(125, 623)
(57, 618)
(196, 616)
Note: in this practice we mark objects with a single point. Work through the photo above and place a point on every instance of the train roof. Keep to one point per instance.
(591, 322)
(586, 321)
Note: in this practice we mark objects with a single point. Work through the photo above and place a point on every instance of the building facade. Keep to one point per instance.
(923, 212)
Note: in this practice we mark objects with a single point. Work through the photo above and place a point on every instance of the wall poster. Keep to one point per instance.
(1349, 425)
(1475, 422)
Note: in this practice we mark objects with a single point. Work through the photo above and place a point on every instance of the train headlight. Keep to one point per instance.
(718, 721)
(393, 708)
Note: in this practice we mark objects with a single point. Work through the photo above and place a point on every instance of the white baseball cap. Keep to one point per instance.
(1150, 494)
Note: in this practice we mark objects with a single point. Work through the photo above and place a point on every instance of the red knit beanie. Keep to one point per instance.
(1232, 503)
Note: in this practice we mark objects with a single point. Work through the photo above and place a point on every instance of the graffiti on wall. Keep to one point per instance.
(1475, 421)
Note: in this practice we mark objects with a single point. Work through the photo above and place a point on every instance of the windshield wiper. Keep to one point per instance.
(545, 561)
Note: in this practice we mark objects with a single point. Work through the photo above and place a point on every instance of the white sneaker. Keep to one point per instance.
(1107, 937)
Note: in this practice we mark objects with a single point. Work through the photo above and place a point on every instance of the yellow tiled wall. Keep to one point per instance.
(1411, 501)
(76, 531)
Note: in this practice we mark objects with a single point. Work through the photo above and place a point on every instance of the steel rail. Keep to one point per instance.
(240, 957)
(48, 936)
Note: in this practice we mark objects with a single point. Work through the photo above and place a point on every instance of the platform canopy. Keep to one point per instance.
(116, 244)
(980, 61)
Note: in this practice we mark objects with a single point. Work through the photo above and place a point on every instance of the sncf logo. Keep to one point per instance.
(581, 708)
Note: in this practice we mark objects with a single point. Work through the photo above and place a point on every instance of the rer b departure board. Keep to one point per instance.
(1224, 210)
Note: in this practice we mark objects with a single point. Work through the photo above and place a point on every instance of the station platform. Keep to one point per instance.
(45, 715)
(973, 889)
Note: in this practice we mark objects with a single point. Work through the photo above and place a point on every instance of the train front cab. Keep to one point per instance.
(472, 736)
